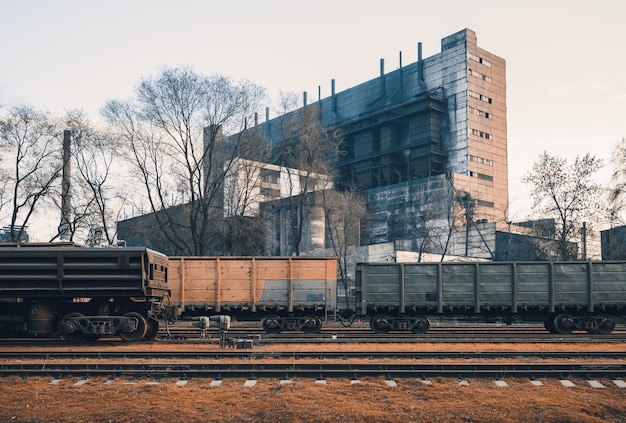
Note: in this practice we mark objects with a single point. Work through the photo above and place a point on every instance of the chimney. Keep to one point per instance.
(65, 230)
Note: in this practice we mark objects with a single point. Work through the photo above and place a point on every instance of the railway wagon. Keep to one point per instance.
(565, 296)
(285, 293)
(80, 292)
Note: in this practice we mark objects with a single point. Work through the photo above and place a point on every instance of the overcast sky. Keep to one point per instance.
(566, 59)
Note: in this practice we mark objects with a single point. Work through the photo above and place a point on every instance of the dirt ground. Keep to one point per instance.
(303, 400)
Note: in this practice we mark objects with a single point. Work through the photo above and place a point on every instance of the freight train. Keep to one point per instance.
(85, 293)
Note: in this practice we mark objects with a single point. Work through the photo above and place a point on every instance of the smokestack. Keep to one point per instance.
(210, 134)
(65, 230)
(420, 66)
(332, 93)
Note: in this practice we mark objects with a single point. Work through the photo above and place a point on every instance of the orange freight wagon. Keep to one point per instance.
(285, 293)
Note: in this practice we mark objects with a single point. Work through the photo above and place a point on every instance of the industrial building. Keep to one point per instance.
(426, 145)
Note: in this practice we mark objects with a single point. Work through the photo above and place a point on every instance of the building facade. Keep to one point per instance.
(250, 183)
(613, 243)
(424, 142)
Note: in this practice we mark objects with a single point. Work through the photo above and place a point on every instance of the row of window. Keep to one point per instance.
(479, 59)
(481, 176)
(479, 96)
(479, 112)
(481, 134)
(270, 192)
(479, 75)
(269, 175)
(481, 160)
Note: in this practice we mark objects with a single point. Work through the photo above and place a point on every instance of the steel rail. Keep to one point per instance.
(300, 339)
(185, 370)
(301, 355)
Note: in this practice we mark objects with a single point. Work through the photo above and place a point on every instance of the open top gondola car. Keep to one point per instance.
(565, 296)
(285, 293)
(79, 292)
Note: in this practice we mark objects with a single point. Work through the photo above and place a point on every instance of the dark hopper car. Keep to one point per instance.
(81, 293)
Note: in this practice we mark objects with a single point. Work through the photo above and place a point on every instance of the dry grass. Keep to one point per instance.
(372, 400)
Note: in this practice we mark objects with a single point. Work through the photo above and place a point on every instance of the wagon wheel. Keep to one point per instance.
(379, 324)
(273, 324)
(139, 332)
(421, 325)
(311, 324)
(71, 336)
(564, 324)
(549, 325)
(606, 326)
(153, 329)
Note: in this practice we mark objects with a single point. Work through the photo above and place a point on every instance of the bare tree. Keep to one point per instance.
(30, 143)
(566, 192)
(174, 130)
(617, 196)
(306, 147)
(4, 185)
(243, 231)
(96, 203)
(344, 214)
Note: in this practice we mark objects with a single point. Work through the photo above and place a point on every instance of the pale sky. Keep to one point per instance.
(566, 59)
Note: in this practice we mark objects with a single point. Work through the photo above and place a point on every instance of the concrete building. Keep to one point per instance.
(425, 142)
(613, 243)
(445, 114)
(249, 183)
(19, 231)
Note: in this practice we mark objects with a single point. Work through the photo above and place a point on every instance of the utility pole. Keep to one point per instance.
(584, 238)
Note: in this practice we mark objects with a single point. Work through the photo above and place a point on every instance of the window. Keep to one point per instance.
(479, 75)
(479, 96)
(481, 134)
(481, 176)
(270, 192)
(481, 160)
(479, 59)
(479, 112)
(269, 175)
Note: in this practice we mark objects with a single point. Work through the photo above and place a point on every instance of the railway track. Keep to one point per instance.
(322, 370)
(359, 335)
(235, 340)
(44, 357)
(437, 334)
(251, 364)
